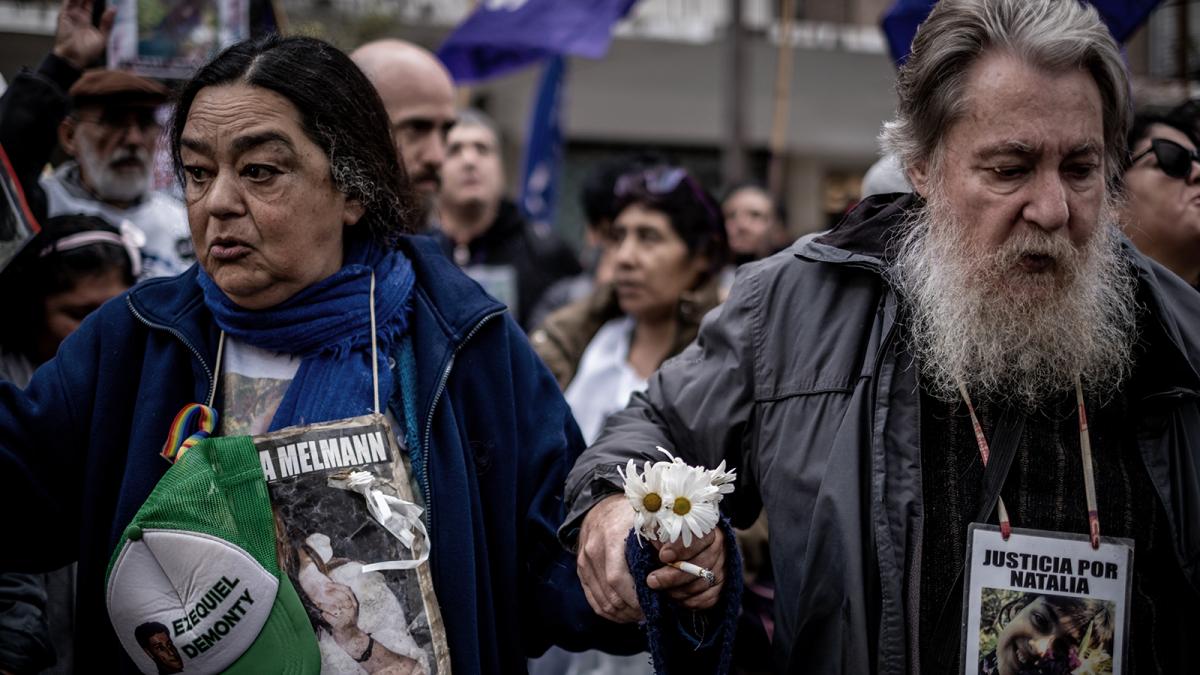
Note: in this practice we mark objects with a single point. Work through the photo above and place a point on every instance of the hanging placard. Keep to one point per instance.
(1045, 603)
(362, 572)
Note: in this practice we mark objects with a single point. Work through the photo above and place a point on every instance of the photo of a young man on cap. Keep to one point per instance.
(155, 640)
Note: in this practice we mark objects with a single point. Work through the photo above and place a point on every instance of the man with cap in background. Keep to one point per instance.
(112, 131)
(418, 94)
(105, 120)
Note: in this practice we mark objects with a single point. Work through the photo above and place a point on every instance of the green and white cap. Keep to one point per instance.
(194, 585)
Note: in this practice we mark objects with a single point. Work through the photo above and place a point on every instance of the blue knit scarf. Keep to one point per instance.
(328, 325)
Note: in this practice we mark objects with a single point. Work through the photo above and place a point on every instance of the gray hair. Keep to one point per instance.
(1056, 35)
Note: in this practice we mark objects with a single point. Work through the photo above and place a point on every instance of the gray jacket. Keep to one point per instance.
(800, 382)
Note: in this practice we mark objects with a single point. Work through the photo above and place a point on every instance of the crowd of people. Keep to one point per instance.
(1005, 330)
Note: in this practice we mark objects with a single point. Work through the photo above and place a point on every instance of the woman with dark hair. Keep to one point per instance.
(1162, 193)
(299, 213)
(70, 268)
(668, 246)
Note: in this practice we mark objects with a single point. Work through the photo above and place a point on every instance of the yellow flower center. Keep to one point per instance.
(652, 502)
(682, 506)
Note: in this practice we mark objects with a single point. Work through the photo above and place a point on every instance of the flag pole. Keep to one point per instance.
(734, 160)
(783, 92)
(1181, 47)
(462, 92)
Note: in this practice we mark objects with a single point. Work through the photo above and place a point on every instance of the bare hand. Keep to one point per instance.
(601, 561)
(75, 39)
(688, 590)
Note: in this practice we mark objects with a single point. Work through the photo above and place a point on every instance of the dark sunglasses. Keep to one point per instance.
(663, 181)
(1174, 159)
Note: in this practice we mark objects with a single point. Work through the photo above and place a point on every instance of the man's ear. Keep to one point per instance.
(918, 175)
(66, 135)
(352, 211)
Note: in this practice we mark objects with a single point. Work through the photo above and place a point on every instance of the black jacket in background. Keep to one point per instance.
(539, 257)
(30, 111)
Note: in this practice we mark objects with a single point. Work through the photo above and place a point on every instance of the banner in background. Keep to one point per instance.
(1122, 17)
(504, 35)
(170, 39)
(544, 148)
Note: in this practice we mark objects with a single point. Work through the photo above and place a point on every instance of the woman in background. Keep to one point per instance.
(668, 245)
(1161, 213)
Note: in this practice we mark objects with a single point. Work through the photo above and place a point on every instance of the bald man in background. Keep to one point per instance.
(419, 96)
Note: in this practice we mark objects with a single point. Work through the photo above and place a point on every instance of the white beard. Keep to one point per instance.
(109, 183)
(1011, 335)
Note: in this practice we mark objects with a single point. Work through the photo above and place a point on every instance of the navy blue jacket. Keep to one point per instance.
(79, 453)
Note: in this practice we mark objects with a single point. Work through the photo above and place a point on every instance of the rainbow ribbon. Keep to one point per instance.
(193, 424)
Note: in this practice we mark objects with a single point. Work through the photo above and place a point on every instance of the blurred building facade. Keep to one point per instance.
(666, 84)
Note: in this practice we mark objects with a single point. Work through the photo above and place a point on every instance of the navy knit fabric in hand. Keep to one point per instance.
(681, 641)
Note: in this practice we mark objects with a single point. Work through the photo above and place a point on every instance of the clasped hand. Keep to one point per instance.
(605, 575)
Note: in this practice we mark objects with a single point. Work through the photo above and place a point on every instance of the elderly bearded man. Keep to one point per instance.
(834, 376)
(106, 121)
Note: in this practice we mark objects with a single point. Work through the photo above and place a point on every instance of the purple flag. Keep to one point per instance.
(504, 35)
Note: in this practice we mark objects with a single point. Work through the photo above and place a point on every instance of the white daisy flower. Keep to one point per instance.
(673, 458)
(691, 504)
(672, 500)
(723, 480)
(644, 493)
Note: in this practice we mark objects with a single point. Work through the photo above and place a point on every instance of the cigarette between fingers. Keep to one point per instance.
(695, 570)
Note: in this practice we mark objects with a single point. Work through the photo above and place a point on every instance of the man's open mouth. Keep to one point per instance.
(1036, 262)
